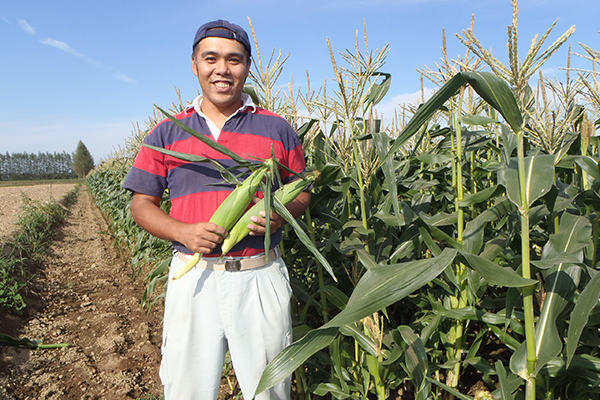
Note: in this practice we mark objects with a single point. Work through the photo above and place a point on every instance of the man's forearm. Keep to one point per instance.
(297, 206)
(147, 213)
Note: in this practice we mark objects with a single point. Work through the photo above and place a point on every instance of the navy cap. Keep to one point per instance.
(224, 29)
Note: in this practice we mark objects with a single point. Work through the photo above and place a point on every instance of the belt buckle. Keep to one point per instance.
(233, 265)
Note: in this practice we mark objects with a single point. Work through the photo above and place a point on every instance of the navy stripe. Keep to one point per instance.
(266, 126)
(145, 182)
(193, 178)
(171, 133)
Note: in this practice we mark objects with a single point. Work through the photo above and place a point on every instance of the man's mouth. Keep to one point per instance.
(222, 85)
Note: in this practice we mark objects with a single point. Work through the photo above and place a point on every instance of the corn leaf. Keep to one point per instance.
(177, 154)
(281, 210)
(210, 142)
(366, 343)
(589, 165)
(495, 274)
(507, 387)
(481, 196)
(378, 90)
(293, 356)
(561, 282)
(384, 285)
(580, 314)
(378, 288)
(539, 175)
(490, 87)
(35, 344)
(250, 91)
(227, 175)
(382, 141)
(449, 389)
(416, 362)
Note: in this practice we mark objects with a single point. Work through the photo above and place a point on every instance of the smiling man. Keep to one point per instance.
(212, 308)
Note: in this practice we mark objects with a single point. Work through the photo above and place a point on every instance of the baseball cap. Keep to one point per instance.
(224, 29)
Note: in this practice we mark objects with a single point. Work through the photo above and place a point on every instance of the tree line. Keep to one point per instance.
(37, 166)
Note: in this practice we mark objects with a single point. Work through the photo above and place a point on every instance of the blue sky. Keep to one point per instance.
(77, 70)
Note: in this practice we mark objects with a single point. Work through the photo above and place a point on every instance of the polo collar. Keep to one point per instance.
(248, 104)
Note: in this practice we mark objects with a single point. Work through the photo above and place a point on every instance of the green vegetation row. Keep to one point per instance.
(135, 245)
(26, 247)
(458, 243)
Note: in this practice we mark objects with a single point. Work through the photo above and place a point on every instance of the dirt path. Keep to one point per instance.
(84, 296)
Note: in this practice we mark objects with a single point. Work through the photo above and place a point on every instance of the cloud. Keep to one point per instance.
(94, 63)
(61, 46)
(26, 27)
(125, 78)
(388, 109)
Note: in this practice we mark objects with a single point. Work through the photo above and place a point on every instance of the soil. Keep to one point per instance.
(11, 199)
(84, 295)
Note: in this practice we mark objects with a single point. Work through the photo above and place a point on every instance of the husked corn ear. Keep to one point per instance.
(188, 265)
(285, 194)
(230, 210)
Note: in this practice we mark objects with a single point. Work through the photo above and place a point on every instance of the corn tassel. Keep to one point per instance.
(285, 194)
(230, 210)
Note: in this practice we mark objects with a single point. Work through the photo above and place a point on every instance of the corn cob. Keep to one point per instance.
(230, 210)
(285, 194)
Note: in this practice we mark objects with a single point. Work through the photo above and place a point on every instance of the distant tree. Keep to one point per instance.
(83, 162)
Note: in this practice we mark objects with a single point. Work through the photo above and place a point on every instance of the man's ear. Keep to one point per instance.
(194, 68)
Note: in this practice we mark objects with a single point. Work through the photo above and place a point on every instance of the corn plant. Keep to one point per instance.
(463, 238)
(522, 190)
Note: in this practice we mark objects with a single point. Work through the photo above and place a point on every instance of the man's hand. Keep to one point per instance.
(201, 237)
(260, 223)
(296, 208)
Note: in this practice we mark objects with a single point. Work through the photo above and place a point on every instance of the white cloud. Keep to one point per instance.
(387, 109)
(125, 78)
(26, 27)
(61, 46)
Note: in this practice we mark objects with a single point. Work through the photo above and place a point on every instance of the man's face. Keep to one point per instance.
(221, 66)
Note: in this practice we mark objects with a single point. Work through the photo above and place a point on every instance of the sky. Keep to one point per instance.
(92, 71)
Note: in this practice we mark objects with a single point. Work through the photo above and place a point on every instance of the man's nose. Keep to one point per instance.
(221, 67)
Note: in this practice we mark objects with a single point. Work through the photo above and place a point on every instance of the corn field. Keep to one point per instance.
(458, 243)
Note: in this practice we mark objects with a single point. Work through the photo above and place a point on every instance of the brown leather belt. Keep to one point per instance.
(233, 263)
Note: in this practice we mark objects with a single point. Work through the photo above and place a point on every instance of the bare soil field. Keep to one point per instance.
(11, 200)
(84, 295)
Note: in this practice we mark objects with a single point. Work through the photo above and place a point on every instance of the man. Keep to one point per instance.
(211, 309)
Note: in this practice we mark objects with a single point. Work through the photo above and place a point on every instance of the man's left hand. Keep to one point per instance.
(260, 223)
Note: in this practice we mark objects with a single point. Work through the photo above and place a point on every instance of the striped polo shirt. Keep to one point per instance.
(197, 189)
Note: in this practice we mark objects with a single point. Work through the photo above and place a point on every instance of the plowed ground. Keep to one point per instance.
(83, 295)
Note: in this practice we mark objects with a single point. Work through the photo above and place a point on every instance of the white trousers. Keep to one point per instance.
(209, 312)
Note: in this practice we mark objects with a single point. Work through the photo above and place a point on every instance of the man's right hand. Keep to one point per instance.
(201, 237)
